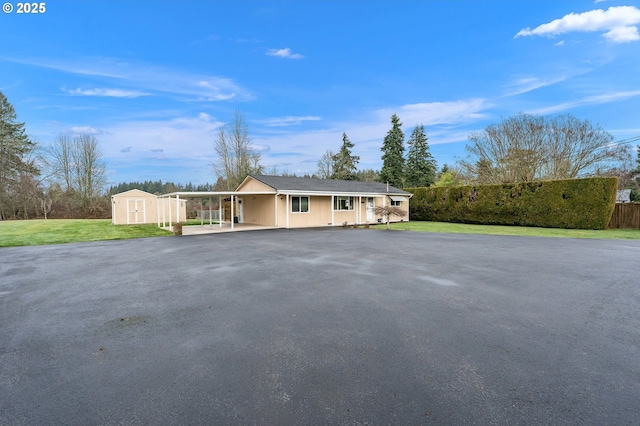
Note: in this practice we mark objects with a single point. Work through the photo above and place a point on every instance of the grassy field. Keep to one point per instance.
(15, 233)
(55, 231)
(461, 228)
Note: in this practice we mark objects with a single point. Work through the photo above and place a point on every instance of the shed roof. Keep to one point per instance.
(134, 192)
(286, 183)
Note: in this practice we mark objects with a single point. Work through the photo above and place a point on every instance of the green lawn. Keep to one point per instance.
(56, 231)
(461, 228)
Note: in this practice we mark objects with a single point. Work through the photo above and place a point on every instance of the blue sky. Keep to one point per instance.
(154, 80)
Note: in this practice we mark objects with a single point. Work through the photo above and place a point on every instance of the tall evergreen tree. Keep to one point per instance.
(15, 148)
(421, 167)
(393, 154)
(344, 163)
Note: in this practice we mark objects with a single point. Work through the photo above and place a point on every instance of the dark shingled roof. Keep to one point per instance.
(285, 183)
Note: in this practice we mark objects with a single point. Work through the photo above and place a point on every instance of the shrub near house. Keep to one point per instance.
(575, 204)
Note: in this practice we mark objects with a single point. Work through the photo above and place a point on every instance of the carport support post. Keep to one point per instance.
(210, 218)
(287, 210)
(177, 208)
(232, 212)
(275, 203)
(220, 211)
(333, 221)
(164, 211)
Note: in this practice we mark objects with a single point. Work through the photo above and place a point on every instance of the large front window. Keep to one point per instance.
(343, 203)
(299, 204)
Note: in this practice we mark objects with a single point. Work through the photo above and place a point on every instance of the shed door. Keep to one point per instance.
(135, 212)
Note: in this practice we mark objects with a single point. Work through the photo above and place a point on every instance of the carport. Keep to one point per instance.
(166, 220)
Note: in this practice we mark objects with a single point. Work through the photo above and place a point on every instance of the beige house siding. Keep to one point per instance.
(258, 209)
(321, 212)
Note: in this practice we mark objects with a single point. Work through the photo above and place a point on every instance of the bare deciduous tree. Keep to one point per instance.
(326, 165)
(61, 160)
(77, 164)
(388, 211)
(525, 147)
(237, 157)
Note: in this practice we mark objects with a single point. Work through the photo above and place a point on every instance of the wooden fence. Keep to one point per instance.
(625, 216)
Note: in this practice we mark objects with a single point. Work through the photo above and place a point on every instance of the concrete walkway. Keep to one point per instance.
(327, 326)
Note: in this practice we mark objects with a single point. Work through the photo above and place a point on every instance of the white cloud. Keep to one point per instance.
(180, 137)
(590, 100)
(147, 79)
(304, 148)
(433, 113)
(523, 85)
(284, 53)
(287, 121)
(85, 130)
(618, 22)
(622, 34)
(116, 93)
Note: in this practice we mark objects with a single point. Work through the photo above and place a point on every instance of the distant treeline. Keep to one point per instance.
(158, 187)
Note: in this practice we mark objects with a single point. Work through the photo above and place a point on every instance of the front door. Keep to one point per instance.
(240, 211)
(371, 215)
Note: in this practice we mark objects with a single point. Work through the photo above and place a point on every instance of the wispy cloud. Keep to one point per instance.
(284, 53)
(85, 130)
(619, 24)
(287, 121)
(185, 137)
(432, 113)
(523, 85)
(147, 79)
(590, 100)
(115, 93)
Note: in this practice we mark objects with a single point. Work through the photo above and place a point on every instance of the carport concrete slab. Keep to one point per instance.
(329, 326)
(226, 227)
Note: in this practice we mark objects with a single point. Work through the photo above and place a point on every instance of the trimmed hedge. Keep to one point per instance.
(572, 204)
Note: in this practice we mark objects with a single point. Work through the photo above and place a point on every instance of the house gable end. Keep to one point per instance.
(251, 184)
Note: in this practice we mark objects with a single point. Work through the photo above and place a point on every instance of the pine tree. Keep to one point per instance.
(393, 155)
(421, 167)
(15, 148)
(344, 164)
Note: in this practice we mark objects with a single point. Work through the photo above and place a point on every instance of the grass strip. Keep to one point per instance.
(463, 228)
(14, 233)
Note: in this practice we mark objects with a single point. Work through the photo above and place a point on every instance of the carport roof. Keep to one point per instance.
(286, 183)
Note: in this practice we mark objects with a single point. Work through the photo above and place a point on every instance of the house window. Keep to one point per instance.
(396, 201)
(343, 203)
(299, 204)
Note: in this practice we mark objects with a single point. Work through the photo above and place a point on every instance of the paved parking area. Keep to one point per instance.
(333, 326)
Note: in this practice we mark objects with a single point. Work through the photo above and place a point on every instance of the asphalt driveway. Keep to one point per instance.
(333, 326)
